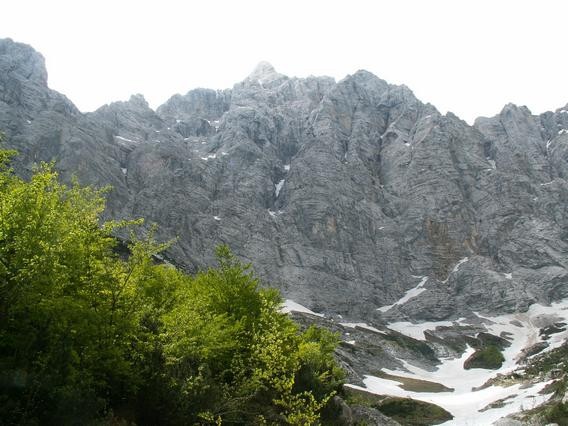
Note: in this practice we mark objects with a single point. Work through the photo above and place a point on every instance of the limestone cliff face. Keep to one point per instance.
(343, 194)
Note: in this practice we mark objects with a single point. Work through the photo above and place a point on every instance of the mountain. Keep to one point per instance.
(428, 244)
(345, 195)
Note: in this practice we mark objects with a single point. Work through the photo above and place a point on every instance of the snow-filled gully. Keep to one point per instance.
(468, 406)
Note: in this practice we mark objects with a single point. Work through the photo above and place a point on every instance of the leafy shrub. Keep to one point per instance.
(88, 336)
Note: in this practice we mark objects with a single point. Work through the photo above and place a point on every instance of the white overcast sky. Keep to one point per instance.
(468, 57)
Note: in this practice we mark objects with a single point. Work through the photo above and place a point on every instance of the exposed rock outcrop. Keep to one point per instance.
(343, 194)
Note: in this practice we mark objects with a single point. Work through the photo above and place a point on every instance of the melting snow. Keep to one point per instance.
(465, 406)
(211, 156)
(460, 263)
(416, 331)
(547, 183)
(493, 165)
(120, 138)
(124, 170)
(178, 121)
(563, 111)
(350, 342)
(216, 218)
(509, 276)
(28, 121)
(562, 131)
(413, 292)
(278, 187)
(291, 306)
(287, 167)
(361, 325)
(523, 331)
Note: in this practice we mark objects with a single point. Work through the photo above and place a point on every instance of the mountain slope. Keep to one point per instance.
(346, 195)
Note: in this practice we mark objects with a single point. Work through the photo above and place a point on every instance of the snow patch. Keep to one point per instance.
(493, 165)
(562, 131)
(209, 157)
(465, 406)
(124, 171)
(522, 330)
(274, 214)
(28, 121)
(410, 294)
(287, 167)
(120, 138)
(416, 331)
(460, 263)
(291, 306)
(509, 276)
(350, 342)
(278, 187)
(361, 325)
(217, 218)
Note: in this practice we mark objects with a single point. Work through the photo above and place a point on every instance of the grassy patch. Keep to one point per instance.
(557, 413)
(415, 385)
(488, 357)
(413, 413)
(406, 411)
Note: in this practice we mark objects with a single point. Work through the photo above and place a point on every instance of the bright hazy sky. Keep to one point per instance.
(468, 57)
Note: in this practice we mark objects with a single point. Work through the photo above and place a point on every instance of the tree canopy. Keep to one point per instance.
(88, 337)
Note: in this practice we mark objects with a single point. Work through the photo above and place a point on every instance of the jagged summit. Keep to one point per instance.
(264, 72)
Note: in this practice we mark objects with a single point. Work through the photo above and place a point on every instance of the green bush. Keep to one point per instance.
(488, 357)
(87, 336)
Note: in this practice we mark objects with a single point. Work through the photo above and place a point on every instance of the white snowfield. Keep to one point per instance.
(463, 402)
(291, 306)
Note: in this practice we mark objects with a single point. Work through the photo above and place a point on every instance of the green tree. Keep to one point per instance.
(87, 336)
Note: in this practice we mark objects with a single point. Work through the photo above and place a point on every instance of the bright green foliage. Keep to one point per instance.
(239, 359)
(85, 335)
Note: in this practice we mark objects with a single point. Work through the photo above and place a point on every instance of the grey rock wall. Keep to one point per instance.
(342, 194)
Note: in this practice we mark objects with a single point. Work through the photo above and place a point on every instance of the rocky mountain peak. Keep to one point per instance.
(22, 62)
(139, 101)
(264, 72)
